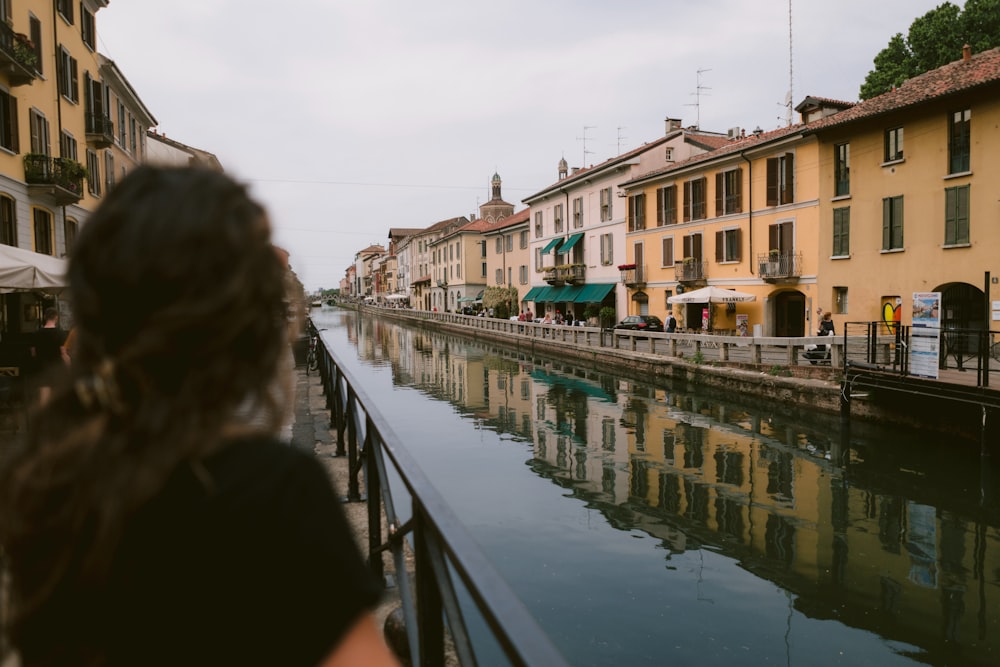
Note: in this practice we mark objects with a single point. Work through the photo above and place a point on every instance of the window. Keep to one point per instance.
(578, 213)
(840, 300)
(668, 154)
(694, 200)
(499, 248)
(510, 243)
(607, 254)
(780, 178)
(692, 247)
(524, 239)
(93, 173)
(727, 245)
(458, 270)
(523, 274)
(636, 212)
(959, 135)
(122, 127)
(70, 228)
(841, 170)
(538, 259)
(4, 10)
(67, 146)
(557, 218)
(668, 251)
(65, 9)
(842, 231)
(67, 75)
(728, 192)
(133, 134)
(39, 132)
(484, 270)
(894, 144)
(781, 237)
(510, 280)
(87, 30)
(538, 225)
(8, 122)
(666, 206)
(605, 204)
(109, 170)
(42, 222)
(35, 33)
(892, 223)
(956, 215)
(8, 221)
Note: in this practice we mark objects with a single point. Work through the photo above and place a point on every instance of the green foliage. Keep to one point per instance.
(780, 371)
(698, 358)
(607, 315)
(933, 40)
(494, 297)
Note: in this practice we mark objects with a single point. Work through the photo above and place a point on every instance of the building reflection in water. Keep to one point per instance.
(888, 534)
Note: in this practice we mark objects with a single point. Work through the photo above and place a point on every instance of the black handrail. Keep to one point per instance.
(441, 544)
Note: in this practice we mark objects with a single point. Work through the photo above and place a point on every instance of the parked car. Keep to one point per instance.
(641, 323)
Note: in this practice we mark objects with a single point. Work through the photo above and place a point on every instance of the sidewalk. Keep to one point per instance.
(310, 430)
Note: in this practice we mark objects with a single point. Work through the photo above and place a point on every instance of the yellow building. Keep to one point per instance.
(908, 197)
(742, 217)
(508, 255)
(70, 125)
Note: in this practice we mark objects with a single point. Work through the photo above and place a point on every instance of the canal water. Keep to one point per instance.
(653, 525)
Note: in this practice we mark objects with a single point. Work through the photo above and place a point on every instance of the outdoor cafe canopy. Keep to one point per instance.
(23, 270)
(712, 294)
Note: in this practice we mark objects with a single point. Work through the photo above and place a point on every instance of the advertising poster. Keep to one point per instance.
(925, 338)
(742, 324)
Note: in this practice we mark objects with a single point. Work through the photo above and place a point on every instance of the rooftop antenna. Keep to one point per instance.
(697, 98)
(621, 138)
(584, 140)
(788, 100)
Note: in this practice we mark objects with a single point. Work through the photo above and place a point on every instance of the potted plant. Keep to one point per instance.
(607, 316)
(592, 314)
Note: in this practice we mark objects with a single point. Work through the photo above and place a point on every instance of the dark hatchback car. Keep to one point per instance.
(641, 323)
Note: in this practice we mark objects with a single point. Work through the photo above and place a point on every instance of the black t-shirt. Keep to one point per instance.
(47, 343)
(255, 567)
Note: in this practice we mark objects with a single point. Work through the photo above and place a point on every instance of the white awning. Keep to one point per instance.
(23, 270)
(711, 294)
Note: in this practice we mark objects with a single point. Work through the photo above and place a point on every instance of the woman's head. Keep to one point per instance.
(175, 283)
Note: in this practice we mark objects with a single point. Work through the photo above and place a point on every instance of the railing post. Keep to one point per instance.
(373, 482)
(353, 490)
(429, 604)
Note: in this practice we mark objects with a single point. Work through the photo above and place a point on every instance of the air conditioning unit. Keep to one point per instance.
(733, 133)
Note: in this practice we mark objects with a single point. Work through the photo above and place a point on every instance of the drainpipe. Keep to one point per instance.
(749, 206)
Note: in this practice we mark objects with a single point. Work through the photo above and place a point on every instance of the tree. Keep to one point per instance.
(933, 40)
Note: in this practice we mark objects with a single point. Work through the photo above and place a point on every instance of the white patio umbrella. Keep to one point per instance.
(712, 294)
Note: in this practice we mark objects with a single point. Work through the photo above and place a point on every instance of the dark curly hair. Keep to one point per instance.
(179, 301)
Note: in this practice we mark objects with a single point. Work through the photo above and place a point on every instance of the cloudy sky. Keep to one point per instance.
(351, 117)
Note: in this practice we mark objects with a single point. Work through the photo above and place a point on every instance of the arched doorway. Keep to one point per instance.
(789, 313)
(962, 306)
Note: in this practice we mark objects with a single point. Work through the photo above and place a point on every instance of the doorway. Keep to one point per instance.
(790, 314)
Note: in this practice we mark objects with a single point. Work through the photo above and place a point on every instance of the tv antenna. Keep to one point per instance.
(621, 138)
(584, 140)
(788, 100)
(697, 98)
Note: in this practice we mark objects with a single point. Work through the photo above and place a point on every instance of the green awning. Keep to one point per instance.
(530, 296)
(594, 293)
(570, 293)
(552, 244)
(570, 242)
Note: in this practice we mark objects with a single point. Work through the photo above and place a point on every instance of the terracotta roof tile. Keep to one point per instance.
(982, 69)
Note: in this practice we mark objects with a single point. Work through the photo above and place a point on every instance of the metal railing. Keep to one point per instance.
(780, 265)
(890, 348)
(443, 549)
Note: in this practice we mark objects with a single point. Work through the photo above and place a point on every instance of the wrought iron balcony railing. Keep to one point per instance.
(58, 177)
(779, 266)
(633, 275)
(690, 270)
(100, 130)
(18, 59)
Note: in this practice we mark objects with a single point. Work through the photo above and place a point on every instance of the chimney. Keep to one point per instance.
(673, 124)
(966, 53)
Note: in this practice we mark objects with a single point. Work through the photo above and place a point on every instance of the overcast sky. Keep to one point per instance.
(351, 117)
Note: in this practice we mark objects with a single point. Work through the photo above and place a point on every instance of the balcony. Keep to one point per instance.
(565, 274)
(442, 283)
(58, 178)
(100, 130)
(690, 270)
(778, 267)
(17, 57)
(633, 275)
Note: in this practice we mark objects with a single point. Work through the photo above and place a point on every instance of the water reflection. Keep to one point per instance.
(881, 531)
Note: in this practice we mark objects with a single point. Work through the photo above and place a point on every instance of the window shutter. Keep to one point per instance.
(668, 251)
(738, 191)
(719, 201)
(886, 215)
(696, 246)
(772, 181)
(687, 246)
(720, 246)
(687, 202)
(774, 237)
(16, 144)
(738, 250)
(788, 195)
(671, 205)
(950, 215)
